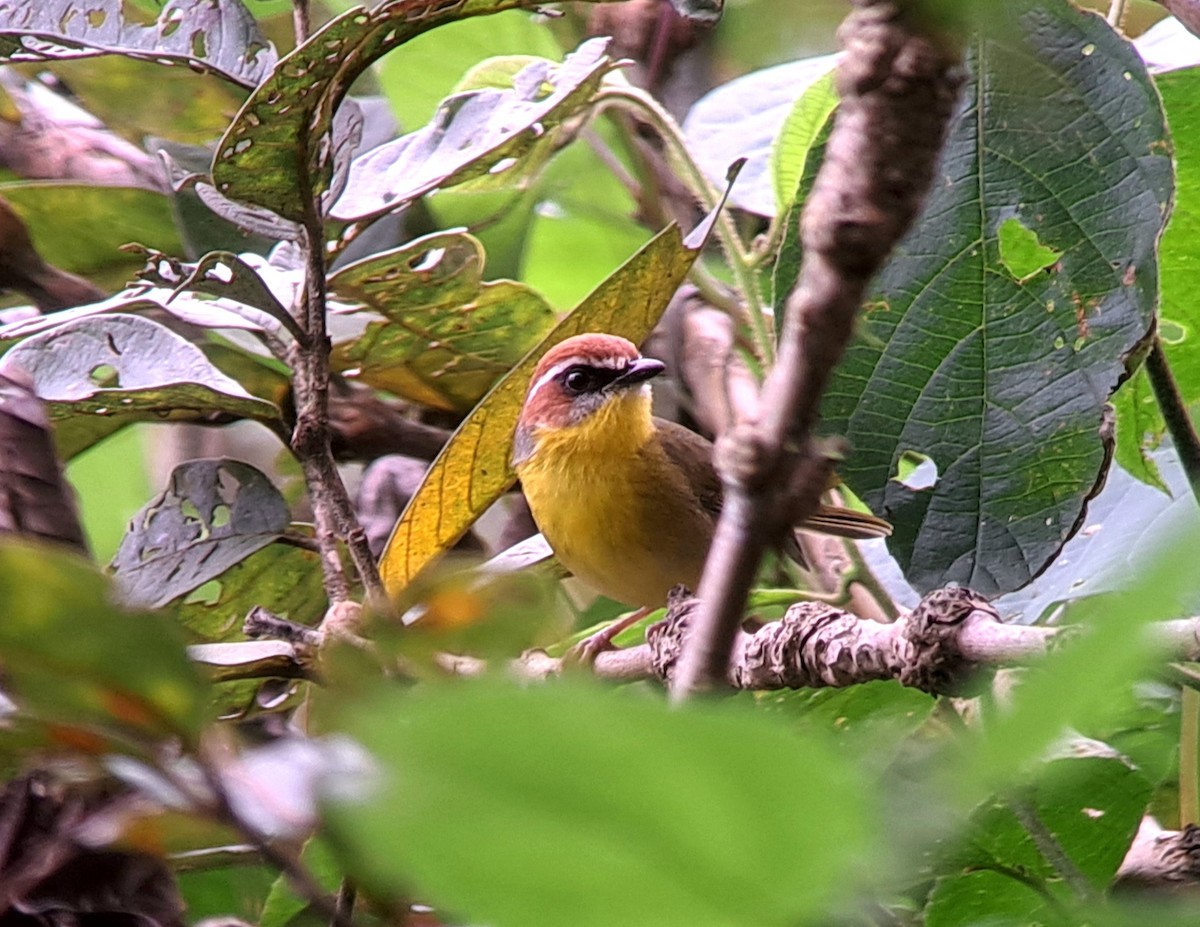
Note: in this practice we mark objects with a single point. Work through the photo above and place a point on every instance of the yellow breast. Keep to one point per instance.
(616, 512)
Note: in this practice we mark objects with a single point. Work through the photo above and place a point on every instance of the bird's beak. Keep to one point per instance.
(639, 371)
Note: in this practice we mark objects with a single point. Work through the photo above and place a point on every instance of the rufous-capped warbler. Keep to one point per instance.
(628, 502)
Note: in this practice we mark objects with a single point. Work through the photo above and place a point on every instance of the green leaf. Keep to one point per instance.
(217, 36)
(974, 899)
(874, 718)
(747, 118)
(445, 336)
(212, 515)
(1003, 383)
(496, 134)
(547, 795)
(1140, 430)
(1088, 806)
(275, 137)
(797, 139)
(72, 659)
(102, 372)
(282, 578)
(283, 904)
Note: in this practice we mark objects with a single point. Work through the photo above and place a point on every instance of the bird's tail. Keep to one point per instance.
(846, 523)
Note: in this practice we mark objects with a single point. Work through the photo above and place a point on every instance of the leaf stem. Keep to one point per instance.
(301, 21)
(1116, 13)
(742, 261)
(1189, 757)
(1174, 410)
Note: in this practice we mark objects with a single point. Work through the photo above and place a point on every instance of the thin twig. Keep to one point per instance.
(1174, 410)
(1187, 446)
(301, 21)
(1116, 13)
(741, 262)
(302, 880)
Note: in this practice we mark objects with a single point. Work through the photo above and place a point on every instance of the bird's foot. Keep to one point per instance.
(585, 652)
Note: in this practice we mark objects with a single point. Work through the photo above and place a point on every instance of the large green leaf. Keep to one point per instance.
(1000, 376)
(276, 135)
(438, 335)
(1091, 803)
(572, 804)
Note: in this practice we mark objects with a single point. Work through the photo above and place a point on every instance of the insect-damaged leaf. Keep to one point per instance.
(212, 515)
(218, 36)
(102, 372)
(1002, 378)
(477, 134)
(445, 337)
(278, 134)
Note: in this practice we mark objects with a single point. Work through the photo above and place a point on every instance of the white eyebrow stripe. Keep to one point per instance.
(613, 363)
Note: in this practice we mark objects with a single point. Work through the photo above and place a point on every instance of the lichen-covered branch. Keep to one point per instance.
(898, 84)
(945, 646)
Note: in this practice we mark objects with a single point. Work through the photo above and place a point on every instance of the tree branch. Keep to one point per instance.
(898, 87)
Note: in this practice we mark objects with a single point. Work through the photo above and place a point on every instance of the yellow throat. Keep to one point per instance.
(612, 506)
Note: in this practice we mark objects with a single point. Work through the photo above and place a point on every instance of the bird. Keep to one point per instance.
(627, 501)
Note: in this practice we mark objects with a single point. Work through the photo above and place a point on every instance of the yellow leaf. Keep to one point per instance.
(473, 471)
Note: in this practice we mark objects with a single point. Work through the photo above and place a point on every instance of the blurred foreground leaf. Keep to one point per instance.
(78, 663)
(574, 804)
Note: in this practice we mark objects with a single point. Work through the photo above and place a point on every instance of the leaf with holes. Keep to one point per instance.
(999, 370)
(102, 372)
(437, 335)
(212, 515)
(277, 136)
(80, 665)
(217, 36)
(472, 470)
(282, 578)
(479, 134)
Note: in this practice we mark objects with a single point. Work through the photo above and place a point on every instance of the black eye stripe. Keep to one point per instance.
(583, 378)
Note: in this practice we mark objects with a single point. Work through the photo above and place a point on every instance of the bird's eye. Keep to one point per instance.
(578, 381)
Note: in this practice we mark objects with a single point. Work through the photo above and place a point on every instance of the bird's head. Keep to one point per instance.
(581, 387)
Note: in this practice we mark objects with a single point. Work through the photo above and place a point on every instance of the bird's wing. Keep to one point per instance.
(692, 454)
